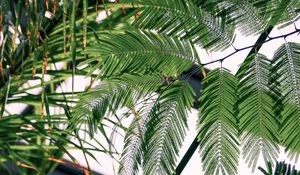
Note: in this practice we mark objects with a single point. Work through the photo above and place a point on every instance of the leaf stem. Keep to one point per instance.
(255, 46)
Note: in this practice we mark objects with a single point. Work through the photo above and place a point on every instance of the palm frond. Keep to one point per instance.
(252, 17)
(286, 63)
(218, 136)
(255, 16)
(134, 58)
(259, 127)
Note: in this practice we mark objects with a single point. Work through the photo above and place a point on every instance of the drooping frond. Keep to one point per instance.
(138, 52)
(132, 154)
(185, 20)
(287, 66)
(218, 134)
(166, 128)
(258, 123)
(113, 94)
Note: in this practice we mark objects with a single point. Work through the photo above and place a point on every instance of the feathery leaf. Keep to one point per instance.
(132, 154)
(138, 52)
(286, 63)
(218, 134)
(182, 18)
(111, 95)
(259, 127)
(166, 128)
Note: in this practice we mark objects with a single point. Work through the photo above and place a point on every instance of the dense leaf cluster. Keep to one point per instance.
(136, 54)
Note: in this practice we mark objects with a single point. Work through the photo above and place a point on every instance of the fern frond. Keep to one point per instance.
(218, 134)
(132, 154)
(251, 17)
(111, 95)
(185, 20)
(286, 63)
(166, 128)
(288, 12)
(138, 52)
(258, 123)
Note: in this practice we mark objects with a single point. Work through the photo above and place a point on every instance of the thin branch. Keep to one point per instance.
(256, 46)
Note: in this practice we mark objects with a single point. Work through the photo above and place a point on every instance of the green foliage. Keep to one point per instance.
(218, 134)
(132, 154)
(111, 95)
(286, 62)
(32, 48)
(141, 52)
(288, 12)
(259, 127)
(154, 140)
(137, 55)
(166, 128)
(21, 142)
(280, 169)
(184, 20)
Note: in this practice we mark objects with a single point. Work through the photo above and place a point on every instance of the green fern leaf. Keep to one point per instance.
(218, 135)
(132, 154)
(287, 66)
(182, 18)
(111, 95)
(287, 12)
(166, 128)
(259, 127)
(138, 52)
(251, 17)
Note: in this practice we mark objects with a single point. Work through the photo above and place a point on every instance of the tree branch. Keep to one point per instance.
(263, 38)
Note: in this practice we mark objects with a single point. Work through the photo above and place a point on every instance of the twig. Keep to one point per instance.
(252, 46)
